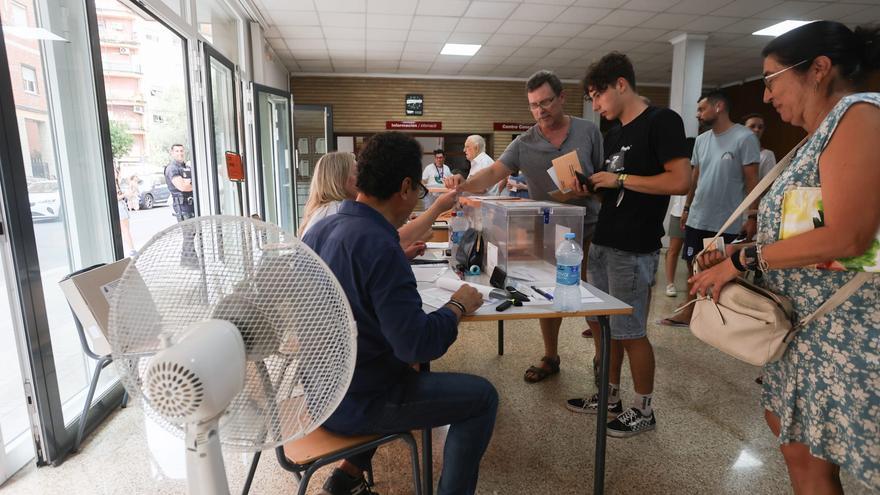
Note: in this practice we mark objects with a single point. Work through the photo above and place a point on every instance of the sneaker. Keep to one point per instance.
(340, 483)
(670, 290)
(631, 422)
(591, 405)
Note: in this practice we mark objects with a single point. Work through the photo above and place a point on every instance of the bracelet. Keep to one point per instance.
(737, 261)
(621, 179)
(750, 258)
(458, 305)
(762, 263)
(752, 217)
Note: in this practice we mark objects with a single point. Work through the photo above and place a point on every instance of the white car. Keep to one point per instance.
(45, 200)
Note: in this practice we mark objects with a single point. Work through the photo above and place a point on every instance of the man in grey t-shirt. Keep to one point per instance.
(553, 135)
(725, 162)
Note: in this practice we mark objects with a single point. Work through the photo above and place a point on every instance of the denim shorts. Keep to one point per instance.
(628, 277)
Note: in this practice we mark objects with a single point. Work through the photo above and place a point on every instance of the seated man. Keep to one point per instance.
(361, 245)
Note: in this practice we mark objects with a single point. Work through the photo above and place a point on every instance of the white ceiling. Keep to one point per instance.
(522, 36)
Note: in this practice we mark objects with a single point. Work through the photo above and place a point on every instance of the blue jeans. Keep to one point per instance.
(467, 403)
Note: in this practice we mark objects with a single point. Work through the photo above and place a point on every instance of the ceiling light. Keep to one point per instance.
(780, 28)
(459, 49)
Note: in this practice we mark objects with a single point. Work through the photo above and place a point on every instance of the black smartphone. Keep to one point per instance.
(585, 181)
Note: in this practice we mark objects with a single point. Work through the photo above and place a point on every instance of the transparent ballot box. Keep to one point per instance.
(521, 236)
(472, 206)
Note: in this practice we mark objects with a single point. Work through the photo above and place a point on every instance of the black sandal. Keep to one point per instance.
(536, 374)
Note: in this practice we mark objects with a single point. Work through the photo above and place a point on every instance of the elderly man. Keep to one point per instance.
(555, 134)
(475, 152)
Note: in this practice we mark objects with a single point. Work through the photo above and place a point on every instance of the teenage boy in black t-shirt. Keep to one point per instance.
(646, 160)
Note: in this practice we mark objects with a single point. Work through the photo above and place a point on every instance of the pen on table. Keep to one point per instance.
(539, 291)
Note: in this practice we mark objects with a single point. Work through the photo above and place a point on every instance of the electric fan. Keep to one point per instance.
(232, 332)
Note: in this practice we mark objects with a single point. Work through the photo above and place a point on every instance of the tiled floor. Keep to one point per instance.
(711, 437)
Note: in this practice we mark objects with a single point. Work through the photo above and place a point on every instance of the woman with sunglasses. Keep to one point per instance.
(822, 398)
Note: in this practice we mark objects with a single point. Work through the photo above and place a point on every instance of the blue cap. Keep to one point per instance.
(569, 235)
(459, 213)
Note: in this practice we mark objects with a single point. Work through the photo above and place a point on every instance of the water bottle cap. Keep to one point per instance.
(569, 235)
(459, 213)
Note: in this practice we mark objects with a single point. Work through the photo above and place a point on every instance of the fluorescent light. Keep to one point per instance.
(780, 28)
(459, 49)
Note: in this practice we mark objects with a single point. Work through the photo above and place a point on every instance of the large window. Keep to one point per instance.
(61, 146)
(148, 112)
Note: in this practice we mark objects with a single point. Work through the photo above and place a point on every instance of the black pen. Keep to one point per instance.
(539, 291)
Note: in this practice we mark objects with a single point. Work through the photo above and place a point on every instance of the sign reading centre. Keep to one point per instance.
(511, 126)
(414, 125)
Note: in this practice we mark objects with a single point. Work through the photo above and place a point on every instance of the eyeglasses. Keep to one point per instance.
(423, 191)
(588, 98)
(768, 77)
(545, 103)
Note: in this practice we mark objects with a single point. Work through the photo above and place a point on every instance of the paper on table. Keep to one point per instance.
(453, 285)
(436, 297)
(437, 245)
(586, 295)
(491, 257)
(428, 273)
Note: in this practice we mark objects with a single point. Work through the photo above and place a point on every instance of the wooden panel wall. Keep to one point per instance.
(464, 106)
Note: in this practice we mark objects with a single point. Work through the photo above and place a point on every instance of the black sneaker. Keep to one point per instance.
(340, 483)
(631, 422)
(591, 405)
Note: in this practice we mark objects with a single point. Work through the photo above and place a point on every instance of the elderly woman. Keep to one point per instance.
(335, 180)
(822, 398)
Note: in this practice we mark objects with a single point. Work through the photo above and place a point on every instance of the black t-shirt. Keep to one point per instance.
(646, 144)
(177, 169)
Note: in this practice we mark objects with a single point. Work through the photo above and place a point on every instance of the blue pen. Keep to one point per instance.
(539, 291)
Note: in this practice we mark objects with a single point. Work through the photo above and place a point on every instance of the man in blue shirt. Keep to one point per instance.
(361, 246)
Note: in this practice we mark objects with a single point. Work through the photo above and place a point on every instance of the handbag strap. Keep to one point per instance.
(836, 299)
(756, 192)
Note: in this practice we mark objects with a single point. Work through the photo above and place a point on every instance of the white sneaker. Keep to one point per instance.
(670, 290)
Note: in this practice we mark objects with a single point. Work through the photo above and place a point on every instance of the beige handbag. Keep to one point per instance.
(748, 322)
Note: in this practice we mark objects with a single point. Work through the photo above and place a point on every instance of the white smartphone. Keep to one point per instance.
(719, 243)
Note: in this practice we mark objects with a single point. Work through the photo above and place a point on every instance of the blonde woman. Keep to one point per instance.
(335, 180)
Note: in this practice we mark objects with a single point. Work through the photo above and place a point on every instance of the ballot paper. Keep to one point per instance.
(428, 273)
(437, 245)
(537, 300)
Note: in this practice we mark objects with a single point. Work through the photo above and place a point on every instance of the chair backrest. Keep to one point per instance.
(83, 340)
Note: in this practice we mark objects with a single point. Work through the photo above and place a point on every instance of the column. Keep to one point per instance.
(688, 52)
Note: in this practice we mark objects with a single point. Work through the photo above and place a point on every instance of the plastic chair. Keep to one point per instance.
(319, 448)
(102, 362)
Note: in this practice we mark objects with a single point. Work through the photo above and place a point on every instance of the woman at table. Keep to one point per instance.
(335, 180)
(822, 398)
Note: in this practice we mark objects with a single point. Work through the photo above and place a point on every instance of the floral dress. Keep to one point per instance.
(826, 387)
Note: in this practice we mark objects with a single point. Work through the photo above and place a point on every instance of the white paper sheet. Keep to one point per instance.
(586, 296)
(452, 285)
(491, 257)
(428, 273)
(437, 245)
(552, 174)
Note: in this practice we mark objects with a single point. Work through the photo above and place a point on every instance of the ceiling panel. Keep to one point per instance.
(406, 36)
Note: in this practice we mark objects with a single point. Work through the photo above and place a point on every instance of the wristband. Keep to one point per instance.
(737, 262)
(458, 305)
(621, 179)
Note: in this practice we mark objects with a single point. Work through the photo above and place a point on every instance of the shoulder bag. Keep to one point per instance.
(748, 322)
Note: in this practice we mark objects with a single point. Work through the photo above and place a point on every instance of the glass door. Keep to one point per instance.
(16, 443)
(313, 135)
(222, 130)
(56, 176)
(272, 118)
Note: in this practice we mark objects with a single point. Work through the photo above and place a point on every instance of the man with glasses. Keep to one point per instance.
(360, 244)
(725, 169)
(531, 153)
(434, 174)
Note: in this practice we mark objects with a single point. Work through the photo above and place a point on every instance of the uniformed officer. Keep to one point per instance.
(178, 177)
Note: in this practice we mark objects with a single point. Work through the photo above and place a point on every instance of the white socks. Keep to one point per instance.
(643, 403)
(613, 393)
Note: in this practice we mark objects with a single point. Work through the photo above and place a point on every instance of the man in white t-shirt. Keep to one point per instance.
(475, 151)
(433, 175)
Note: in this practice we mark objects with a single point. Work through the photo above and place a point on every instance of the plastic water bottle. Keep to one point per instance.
(567, 295)
(457, 227)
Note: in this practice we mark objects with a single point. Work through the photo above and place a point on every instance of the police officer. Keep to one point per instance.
(178, 177)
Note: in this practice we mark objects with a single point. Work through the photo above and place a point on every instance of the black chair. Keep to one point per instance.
(102, 362)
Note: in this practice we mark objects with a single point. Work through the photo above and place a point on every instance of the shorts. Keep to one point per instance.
(693, 241)
(628, 277)
(674, 230)
(123, 209)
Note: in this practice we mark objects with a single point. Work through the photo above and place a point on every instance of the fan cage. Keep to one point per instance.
(299, 333)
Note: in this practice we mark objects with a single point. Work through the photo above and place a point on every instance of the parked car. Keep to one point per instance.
(152, 190)
(45, 200)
